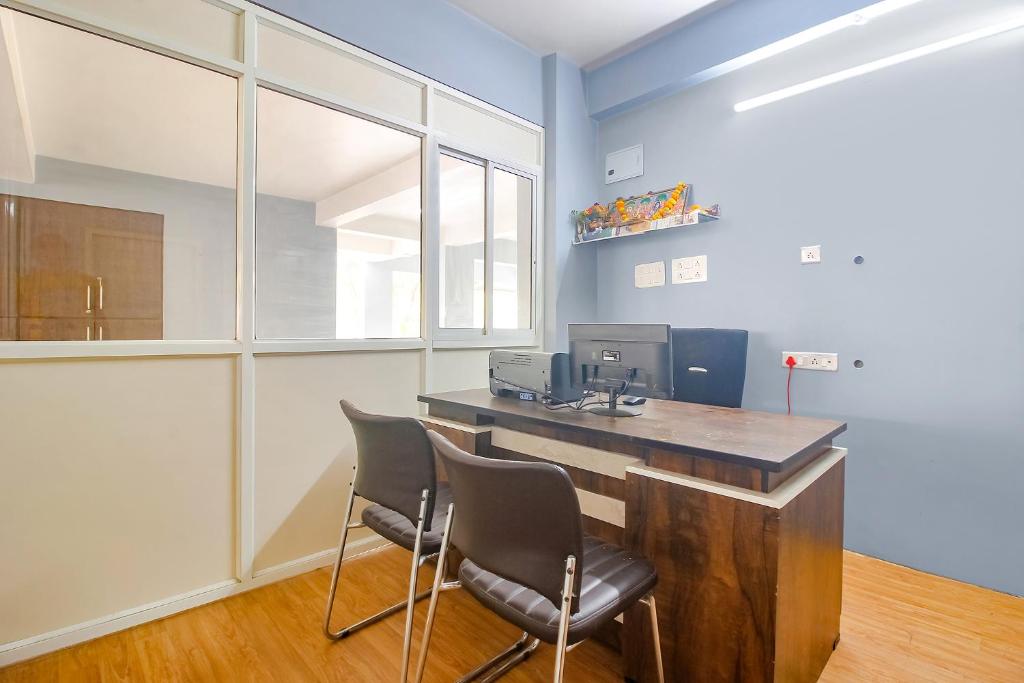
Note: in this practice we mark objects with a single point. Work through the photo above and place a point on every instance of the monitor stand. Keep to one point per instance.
(613, 409)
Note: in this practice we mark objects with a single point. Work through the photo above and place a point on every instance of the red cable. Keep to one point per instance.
(790, 361)
(789, 404)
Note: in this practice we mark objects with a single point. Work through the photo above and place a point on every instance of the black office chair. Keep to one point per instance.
(527, 559)
(710, 366)
(395, 470)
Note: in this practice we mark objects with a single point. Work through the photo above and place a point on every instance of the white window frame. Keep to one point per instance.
(270, 345)
(249, 76)
(244, 346)
(489, 336)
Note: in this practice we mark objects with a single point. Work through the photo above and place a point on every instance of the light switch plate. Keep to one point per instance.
(690, 269)
(649, 274)
(810, 254)
(806, 360)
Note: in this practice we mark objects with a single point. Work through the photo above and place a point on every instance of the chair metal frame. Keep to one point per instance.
(418, 560)
(521, 650)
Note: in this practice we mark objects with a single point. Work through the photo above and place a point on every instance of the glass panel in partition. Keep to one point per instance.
(513, 251)
(117, 190)
(337, 224)
(461, 261)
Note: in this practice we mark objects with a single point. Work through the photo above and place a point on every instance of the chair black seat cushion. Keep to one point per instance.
(397, 528)
(613, 580)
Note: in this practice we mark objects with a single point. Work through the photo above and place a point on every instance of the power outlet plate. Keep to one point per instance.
(805, 360)
(649, 274)
(689, 269)
(810, 254)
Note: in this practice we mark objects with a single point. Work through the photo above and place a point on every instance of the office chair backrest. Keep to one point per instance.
(395, 462)
(520, 520)
(710, 366)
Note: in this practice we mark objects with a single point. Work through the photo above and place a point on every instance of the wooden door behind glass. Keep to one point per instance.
(88, 272)
(8, 270)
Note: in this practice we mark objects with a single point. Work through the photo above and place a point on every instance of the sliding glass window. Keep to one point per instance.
(486, 258)
(513, 251)
(117, 190)
(463, 234)
(337, 224)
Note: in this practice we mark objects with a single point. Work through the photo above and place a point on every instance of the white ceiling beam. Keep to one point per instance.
(369, 196)
(387, 227)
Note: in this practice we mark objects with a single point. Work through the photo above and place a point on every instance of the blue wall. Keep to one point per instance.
(917, 168)
(435, 39)
(570, 162)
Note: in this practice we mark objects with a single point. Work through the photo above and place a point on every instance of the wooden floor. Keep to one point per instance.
(898, 625)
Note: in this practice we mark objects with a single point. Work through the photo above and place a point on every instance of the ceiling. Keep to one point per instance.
(589, 32)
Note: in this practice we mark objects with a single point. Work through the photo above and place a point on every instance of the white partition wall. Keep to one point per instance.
(305, 449)
(117, 487)
(456, 369)
(157, 464)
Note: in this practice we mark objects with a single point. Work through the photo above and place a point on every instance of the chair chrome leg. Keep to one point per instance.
(652, 611)
(380, 616)
(332, 594)
(413, 576)
(337, 635)
(442, 560)
(563, 621)
(505, 661)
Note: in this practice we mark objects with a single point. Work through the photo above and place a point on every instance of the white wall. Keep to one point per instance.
(305, 449)
(117, 486)
(455, 369)
(296, 278)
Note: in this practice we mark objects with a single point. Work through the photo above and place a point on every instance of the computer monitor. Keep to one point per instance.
(634, 360)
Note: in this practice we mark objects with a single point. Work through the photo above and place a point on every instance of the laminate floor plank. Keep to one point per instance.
(898, 625)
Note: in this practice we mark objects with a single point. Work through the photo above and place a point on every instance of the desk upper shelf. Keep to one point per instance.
(767, 441)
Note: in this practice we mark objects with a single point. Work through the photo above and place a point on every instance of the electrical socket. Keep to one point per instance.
(806, 360)
(690, 269)
(810, 254)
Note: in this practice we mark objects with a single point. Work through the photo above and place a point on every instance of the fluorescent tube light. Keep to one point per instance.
(858, 18)
(879, 64)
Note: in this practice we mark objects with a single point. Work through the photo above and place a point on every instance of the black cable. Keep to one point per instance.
(544, 394)
(579, 405)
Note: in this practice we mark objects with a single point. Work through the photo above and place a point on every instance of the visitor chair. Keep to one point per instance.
(395, 471)
(519, 527)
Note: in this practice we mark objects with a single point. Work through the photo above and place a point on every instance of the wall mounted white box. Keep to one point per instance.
(690, 269)
(649, 274)
(623, 164)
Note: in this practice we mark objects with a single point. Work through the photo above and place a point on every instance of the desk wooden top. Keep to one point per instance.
(767, 441)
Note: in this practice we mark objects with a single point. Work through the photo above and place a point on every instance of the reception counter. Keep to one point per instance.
(741, 512)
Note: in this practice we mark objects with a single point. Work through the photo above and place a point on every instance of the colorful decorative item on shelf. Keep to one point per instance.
(640, 214)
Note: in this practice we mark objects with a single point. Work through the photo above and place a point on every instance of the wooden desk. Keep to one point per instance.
(741, 512)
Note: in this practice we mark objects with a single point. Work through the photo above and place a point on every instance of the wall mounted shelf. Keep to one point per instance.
(644, 227)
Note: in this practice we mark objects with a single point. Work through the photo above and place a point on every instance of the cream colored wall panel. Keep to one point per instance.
(603, 462)
(456, 369)
(116, 486)
(305, 449)
(486, 131)
(302, 61)
(194, 23)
